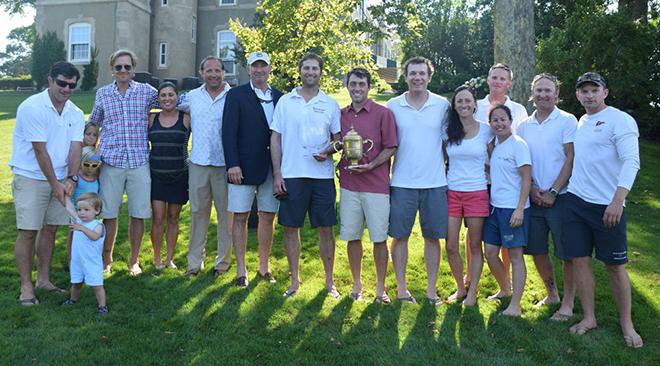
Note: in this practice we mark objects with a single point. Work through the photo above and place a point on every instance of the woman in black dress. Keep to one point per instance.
(169, 131)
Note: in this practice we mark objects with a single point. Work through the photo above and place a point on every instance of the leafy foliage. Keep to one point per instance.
(457, 36)
(17, 57)
(287, 29)
(47, 50)
(16, 6)
(624, 52)
(91, 71)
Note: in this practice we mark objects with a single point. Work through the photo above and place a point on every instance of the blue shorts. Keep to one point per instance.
(316, 196)
(584, 230)
(546, 220)
(497, 230)
(433, 212)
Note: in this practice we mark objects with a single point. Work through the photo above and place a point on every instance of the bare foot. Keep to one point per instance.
(583, 327)
(457, 296)
(633, 340)
(512, 311)
(547, 301)
(470, 300)
(499, 295)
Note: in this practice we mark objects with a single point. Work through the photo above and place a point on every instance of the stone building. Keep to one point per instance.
(169, 37)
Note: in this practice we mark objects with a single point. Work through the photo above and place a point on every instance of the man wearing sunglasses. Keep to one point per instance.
(246, 139)
(45, 158)
(121, 110)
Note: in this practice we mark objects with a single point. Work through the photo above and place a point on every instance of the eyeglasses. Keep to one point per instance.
(126, 67)
(91, 164)
(64, 84)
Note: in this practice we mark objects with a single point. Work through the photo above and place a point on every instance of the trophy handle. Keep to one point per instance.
(334, 145)
(371, 145)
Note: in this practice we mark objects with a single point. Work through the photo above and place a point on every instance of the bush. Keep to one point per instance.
(11, 83)
(624, 52)
(91, 71)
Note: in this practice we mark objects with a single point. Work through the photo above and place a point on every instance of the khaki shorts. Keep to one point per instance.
(36, 205)
(357, 207)
(241, 196)
(137, 183)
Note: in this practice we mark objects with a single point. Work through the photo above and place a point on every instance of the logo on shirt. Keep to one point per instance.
(318, 110)
(600, 123)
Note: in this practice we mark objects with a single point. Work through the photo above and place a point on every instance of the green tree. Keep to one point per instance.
(17, 57)
(457, 36)
(16, 6)
(625, 52)
(287, 29)
(47, 50)
(91, 71)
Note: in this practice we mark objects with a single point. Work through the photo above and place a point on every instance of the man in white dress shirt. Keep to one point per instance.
(207, 174)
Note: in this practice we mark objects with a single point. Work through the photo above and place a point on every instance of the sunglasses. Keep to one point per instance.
(126, 67)
(64, 84)
(91, 164)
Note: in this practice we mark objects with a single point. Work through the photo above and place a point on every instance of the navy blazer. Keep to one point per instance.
(246, 134)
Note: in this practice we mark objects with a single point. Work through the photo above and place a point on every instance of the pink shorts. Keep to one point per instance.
(468, 204)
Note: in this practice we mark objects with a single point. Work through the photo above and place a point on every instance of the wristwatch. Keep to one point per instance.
(73, 178)
(553, 192)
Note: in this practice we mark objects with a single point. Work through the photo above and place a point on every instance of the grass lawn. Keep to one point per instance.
(162, 318)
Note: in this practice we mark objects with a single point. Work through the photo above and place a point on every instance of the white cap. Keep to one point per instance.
(258, 56)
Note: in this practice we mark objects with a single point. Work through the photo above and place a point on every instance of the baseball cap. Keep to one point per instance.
(591, 77)
(258, 56)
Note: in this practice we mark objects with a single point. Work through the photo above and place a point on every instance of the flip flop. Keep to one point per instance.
(634, 341)
(289, 293)
(53, 289)
(559, 317)
(436, 301)
(357, 296)
(383, 300)
(334, 293)
(408, 299)
(135, 271)
(29, 302)
(579, 329)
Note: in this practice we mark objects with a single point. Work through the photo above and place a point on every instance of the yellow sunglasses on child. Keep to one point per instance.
(91, 164)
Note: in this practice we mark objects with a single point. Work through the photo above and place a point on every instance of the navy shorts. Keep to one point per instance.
(584, 230)
(497, 230)
(433, 212)
(543, 221)
(316, 196)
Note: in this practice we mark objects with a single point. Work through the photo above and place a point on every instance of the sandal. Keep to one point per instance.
(383, 300)
(436, 301)
(135, 270)
(356, 296)
(289, 293)
(29, 302)
(409, 299)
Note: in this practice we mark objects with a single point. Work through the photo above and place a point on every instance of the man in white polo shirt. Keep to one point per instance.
(549, 133)
(418, 175)
(500, 79)
(604, 170)
(207, 175)
(306, 120)
(45, 160)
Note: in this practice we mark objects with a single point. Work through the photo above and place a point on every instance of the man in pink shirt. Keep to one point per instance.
(365, 188)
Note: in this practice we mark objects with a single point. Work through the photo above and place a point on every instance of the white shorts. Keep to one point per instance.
(356, 207)
(90, 273)
(241, 197)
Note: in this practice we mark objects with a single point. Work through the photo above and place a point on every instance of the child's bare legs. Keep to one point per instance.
(75, 291)
(99, 292)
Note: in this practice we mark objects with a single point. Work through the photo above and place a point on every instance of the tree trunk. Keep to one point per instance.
(514, 44)
(634, 9)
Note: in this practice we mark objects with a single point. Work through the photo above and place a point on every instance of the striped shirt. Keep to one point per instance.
(124, 121)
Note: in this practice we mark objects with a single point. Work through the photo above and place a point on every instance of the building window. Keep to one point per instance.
(163, 2)
(194, 29)
(227, 2)
(226, 44)
(162, 55)
(80, 35)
